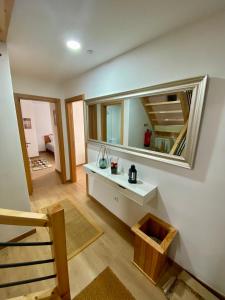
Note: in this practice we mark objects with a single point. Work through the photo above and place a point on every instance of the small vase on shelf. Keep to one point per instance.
(102, 163)
(114, 167)
(103, 160)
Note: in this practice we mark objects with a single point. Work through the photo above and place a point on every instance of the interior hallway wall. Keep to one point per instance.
(55, 135)
(191, 200)
(13, 188)
(28, 112)
(113, 124)
(43, 122)
(138, 125)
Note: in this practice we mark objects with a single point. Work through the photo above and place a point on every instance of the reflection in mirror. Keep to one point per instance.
(151, 123)
(92, 121)
(112, 122)
(160, 122)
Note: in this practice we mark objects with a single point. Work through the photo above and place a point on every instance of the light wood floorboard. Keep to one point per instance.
(114, 248)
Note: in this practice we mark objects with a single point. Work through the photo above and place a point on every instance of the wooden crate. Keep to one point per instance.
(152, 239)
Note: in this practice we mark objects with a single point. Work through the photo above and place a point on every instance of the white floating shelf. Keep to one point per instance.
(141, 192)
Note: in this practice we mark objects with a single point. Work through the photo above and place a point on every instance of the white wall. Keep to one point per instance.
(138, 118)
(113, 124)
(27, 109)
(55, 136)
(35, 86)
(43, 122)
(78, 118)
(192, 200)
(13, 188)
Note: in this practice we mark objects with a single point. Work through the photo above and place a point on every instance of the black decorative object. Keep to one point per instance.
(132, 174)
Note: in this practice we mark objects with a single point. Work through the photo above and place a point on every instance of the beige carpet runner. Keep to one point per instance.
(105, 287)
(81, 230)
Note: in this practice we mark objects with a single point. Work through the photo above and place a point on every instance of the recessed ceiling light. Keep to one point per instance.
(73, 45)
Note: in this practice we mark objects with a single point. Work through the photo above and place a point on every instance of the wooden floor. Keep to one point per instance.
(114, 248)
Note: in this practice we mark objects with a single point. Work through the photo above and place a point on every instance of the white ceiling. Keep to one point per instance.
(39, 30)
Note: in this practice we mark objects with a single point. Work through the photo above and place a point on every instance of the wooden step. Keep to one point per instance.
(166, 134)
(42, 295)
(168, 121)
(162, 103)
(165, 112)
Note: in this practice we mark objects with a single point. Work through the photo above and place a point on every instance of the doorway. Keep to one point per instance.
(112, 122)
(34, 139)
(76, 136)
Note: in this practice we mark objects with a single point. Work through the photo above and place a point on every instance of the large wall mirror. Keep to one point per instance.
(159, 122)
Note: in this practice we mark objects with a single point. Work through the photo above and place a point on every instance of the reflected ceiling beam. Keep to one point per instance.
(6, 7)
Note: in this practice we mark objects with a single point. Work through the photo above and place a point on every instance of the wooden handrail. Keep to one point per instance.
(59, 253)
(22, 218)
(55, 220)
(179, 138)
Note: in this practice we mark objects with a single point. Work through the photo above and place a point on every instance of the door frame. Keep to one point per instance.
(57, 102)
(70, 134)
(104, 119)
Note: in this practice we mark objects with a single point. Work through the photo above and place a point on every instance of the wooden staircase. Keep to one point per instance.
(165, 112)
(55, 222)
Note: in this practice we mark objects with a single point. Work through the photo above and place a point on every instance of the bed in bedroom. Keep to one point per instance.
(49, 143)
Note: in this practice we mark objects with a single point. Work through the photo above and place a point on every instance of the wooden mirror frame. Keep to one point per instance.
(197, 84)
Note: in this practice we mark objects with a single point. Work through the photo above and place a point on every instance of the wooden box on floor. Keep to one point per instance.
(152, 239)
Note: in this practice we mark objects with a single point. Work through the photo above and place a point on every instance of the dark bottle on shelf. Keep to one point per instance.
(132, 174)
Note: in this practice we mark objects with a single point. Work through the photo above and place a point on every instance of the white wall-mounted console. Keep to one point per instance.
(141, 192)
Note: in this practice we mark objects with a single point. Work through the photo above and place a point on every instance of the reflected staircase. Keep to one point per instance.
(165, 112)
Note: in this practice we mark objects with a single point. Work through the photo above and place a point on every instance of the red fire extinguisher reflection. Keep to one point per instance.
(147, 138)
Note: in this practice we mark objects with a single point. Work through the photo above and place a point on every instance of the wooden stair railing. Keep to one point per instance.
(164, 113)
(54, 220)
(179, 138)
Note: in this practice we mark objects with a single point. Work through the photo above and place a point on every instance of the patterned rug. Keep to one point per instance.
(39, 164)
